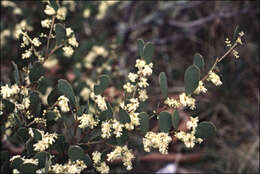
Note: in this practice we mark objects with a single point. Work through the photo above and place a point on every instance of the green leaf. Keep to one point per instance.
(50, 116)
(8, 106)
(53, 96)
(95, 134)
(35, 103)
(123, 138)
(175, 119)
(28, 168)
(140, 44)
(60, 145)
(87, 160)
(191, 79)
(23, 134)
(148, 52)
(123, 116)
(36, 72)
(198, 61)
(165, 121)
(205, 129)
(65, 88)
(103, 84)
(76, 153)
(235, 34)
(54, 5)
(16, 163)
(42, 158)
(144, 122)
(16, 74)
(107, 114)
(60, 33)
(4, 156)
(36, 135)
(163, 84)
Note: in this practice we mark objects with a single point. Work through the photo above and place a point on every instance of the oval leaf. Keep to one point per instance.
(87, 160)
(53, 96)
(198, 61)
(28, 168)
(76, 153)
(54, 4)
(163, 84)
(36, 72)
(175, 119)
(42, 158)
(191, 79)
(36, 135)
(8, 106)
(35, 103)
(23, 134)
(16, 162)
(123, 116)
(65, 88)
(205, 129)
(103, 84)
(144, 122)
(123, 138)
(60, 33)
(140, 44)
(148, 52)
(165, 121)
(107, 114)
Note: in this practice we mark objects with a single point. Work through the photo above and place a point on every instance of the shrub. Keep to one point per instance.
(73, 126)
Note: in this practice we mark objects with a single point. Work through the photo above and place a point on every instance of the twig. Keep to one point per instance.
(172, 157)
(49, 37)
(218, 60)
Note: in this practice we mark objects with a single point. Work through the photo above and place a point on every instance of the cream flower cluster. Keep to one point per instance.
(133, 105)
(238, 41)
(187, 101)
(124, 154)
(70, 167)
(200, 88)
(104, 5)
(8, 92)
(31, 43)
(87, 120)
(214, 78)
(16, 10)
(106, 129)
(189, 139)
(23, 25)
(94, 52)
(85, 93)
(107, 126)
(4, 33)
(29, 160)
(45, 142)
(60, 14)
(63, 103)
(72, 42)
(172, 103)
(139, 79)
(135, 121)
(100, 101)
(159, 140)
(101, 167)
(40, 121)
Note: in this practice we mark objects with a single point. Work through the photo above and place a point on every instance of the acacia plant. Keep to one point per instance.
(75, 129)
